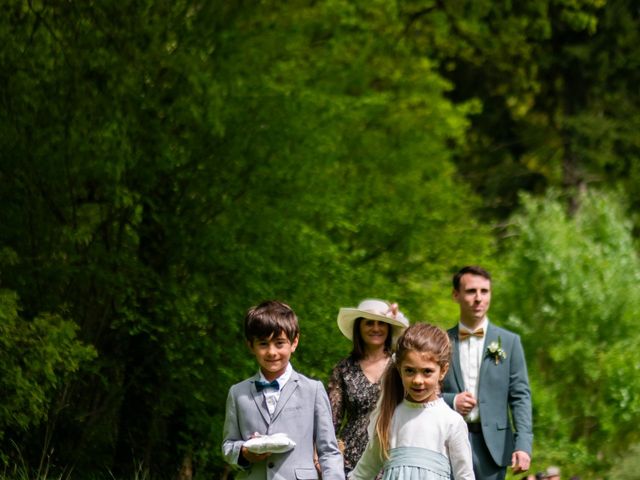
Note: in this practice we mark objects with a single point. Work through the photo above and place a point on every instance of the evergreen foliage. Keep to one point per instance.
(166, 165)
(571, 292)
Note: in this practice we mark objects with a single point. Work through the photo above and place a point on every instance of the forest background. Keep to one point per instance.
(166, 165)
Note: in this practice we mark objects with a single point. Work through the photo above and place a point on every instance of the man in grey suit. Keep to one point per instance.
(487, 382)
(279, 400)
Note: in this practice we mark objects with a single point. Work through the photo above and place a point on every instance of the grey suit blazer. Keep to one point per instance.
(503, 392)
(303, 412)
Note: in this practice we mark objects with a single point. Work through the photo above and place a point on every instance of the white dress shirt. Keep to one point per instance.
(471, 351)
(271, 395)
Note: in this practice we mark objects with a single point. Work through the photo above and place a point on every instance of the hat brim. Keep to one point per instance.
(348, 316)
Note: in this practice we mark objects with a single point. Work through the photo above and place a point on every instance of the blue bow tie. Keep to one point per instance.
(260, 385)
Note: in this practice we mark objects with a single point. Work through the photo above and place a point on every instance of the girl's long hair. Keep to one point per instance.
(419, 337)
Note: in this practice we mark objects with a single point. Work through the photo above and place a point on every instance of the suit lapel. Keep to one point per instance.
(258, 398)
(285, 394)
(491, 336)
(455, 360)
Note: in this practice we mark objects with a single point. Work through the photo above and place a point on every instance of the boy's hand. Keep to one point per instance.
(254, 457)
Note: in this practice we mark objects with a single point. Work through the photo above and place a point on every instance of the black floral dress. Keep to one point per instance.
(353, 397)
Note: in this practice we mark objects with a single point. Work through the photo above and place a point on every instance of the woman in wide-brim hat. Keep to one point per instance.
(354, 386)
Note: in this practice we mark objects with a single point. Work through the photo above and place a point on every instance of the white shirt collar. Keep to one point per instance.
(282, 379)
(483, 325)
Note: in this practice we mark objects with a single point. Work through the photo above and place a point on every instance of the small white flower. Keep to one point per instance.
(495, 351)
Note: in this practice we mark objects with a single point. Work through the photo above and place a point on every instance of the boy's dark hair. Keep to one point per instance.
(473, 270)
(357, 352)
(269, 319)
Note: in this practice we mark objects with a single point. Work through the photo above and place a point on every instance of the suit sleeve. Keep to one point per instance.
(326, 445)
(370, 462)
(449, 387)
(449, 399)
(520, 399)
(232, 440)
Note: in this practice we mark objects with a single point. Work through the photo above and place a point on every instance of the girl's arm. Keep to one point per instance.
(459, 450)
(370, 462)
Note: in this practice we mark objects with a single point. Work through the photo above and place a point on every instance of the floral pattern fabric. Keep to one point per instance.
(353, 397)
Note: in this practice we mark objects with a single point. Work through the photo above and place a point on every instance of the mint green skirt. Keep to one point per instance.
(412, 463)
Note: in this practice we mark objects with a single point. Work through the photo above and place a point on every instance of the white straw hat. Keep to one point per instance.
(372, 309)
(552, 471)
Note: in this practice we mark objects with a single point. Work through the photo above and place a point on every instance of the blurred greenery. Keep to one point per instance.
(571, 292)
(166, 165)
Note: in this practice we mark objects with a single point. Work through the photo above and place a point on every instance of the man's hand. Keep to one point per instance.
(520, 461)
(464, 402)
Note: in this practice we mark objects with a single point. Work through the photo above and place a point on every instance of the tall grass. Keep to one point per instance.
(19, 470)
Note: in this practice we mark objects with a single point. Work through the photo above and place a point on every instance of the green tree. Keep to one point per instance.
(557, 82)
(570, 292)
(165, 167)
(38, 356)
(626, 468)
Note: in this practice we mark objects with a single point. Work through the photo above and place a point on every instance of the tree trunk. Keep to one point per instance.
(186, 469)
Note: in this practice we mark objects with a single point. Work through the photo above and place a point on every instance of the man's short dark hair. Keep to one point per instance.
(473, 270)
(269, 319)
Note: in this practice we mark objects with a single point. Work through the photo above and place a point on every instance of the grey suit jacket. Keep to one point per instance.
(303, 412)
(503, 392)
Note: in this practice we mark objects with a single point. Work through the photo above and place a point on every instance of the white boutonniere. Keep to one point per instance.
(495, 351)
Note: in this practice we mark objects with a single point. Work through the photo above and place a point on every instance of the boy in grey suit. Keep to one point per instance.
(279, 400)
(487, 382)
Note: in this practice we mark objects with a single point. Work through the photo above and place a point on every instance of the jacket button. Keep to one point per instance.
(271, 465)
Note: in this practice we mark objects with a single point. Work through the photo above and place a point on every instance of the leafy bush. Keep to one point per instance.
(571, 291)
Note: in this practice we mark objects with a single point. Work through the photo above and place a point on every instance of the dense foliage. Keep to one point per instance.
(572, 293)
(165, 165)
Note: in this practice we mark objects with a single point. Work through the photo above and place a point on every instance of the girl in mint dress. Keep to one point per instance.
(413, 433)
